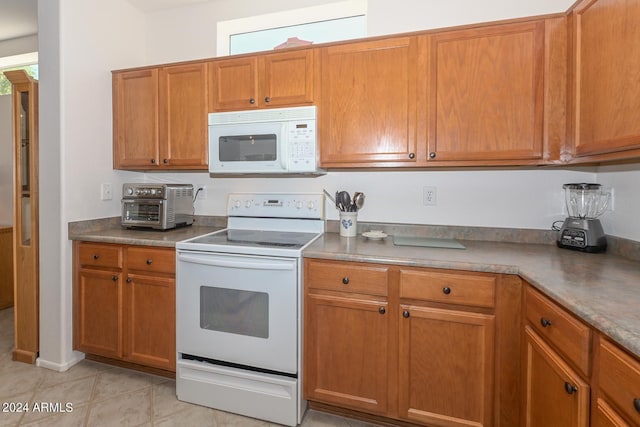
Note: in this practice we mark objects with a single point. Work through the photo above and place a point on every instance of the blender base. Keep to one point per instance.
(582, 234)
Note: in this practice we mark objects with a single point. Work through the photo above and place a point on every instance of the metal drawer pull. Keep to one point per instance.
(446, 290)
(405, 314)
(569, 388)
(345, 280)
(636, 404)
(382, 310)
(545, 322)
(96, 256)
(149, 261)
(114, 278)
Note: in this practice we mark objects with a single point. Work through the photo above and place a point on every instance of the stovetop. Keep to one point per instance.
(256, 238)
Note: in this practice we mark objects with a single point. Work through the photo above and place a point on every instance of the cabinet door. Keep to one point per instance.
(183, 116)
(150, 321)
(233, 84)
(486, 93)
(345, 352)
(446, 367)
(555, 394)
(286, 78)
(603, 415)
(369, 94)
(135, 119)
(98, 312)
(606, 93)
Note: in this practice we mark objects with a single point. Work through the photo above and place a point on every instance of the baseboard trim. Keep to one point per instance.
(60, 367)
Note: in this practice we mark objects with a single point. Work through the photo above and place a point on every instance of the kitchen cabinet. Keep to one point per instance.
(446, 355)
(160, 118)
(605, 94)
(616, 399)
(261, 81)
(124, 303)
(369, 91)
(6, 267)
(412, 344)
(557, 365)
(486, 93)
(346, 347)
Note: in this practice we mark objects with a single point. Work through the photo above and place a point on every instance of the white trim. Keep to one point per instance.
(60, 367)
(286, 18)
(19, 60)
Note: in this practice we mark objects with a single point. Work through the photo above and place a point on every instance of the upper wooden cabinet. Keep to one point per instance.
(160, 118)
(606, 93)
(262, 81)
(486, 97)
(367, 114)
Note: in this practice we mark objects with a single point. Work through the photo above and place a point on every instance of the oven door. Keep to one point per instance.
(238, 309)
(143, 213)
(247, 148)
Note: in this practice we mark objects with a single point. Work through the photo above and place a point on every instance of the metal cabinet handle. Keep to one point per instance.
(569, 388)
(636, 404)
(412, 155)
(446, 290)
(165, 161)
(382, 310)
(96, 256)
(252, 101)
(432, 155)
(149, 261)
(129, 279)
(405, 314)
(545, 322)
(267, 99)
(345, 280)
(153, 161)
(114, 278)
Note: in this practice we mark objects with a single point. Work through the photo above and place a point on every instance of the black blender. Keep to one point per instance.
(582, 230)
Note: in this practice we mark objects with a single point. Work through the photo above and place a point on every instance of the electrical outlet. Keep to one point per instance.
(202, 195)
(429, 196)
(106, 191)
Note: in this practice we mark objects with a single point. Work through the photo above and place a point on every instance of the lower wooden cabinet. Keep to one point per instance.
(411, 344)
(555, 394)
(124, 303)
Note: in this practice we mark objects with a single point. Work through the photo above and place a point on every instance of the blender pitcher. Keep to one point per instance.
(582, 230)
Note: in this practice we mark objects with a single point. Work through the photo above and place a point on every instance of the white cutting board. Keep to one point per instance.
(427, 242)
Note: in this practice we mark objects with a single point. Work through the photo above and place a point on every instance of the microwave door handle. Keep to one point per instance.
(284, 142)
(216, 262)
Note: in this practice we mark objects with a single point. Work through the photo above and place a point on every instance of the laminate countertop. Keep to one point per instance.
(124, 236)
(601, 289)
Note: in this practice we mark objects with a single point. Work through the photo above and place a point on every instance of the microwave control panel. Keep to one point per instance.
(302, 146)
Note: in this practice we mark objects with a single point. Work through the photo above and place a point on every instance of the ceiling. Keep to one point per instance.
(18, 18)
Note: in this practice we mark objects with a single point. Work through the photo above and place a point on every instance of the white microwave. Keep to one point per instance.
(273, 141)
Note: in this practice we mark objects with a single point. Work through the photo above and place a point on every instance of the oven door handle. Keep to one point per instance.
(217, 262)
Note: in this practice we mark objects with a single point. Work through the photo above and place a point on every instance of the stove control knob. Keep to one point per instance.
(130, 191)
(137, 191)
(299, 204)
(153, 191)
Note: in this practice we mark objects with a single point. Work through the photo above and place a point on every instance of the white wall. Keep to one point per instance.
(624, 221)
(6, 161)
(80, 42)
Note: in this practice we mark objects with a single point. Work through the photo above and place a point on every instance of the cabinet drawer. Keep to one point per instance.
(151, 260)
(448, 288)
(99, 255)
(619, 380)
(570, 336)
(347, 277)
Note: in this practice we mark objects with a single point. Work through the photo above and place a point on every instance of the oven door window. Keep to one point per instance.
(139, 211)
(248, 148)
(234, 311)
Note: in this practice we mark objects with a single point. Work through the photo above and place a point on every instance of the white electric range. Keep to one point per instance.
(239, 307)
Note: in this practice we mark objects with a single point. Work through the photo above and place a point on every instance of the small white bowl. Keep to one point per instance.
(374, 235)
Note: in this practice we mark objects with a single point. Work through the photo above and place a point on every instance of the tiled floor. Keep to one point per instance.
(102, 395)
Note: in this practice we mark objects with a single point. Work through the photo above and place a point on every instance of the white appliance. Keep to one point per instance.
(239, 307)
(272, 141)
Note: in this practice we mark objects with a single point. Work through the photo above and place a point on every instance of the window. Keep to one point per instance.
(331, 22)
(28, 62)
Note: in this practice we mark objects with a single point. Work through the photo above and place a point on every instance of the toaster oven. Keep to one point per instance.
(157, 206)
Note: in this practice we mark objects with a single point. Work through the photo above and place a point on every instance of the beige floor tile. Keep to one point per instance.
(84, 369)
(128, 409)
(119, 380)
(75, 418)
(227, 419)
(12, 406)
(68, 395)
(18, 378)
(165, 401)
(191, 415)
